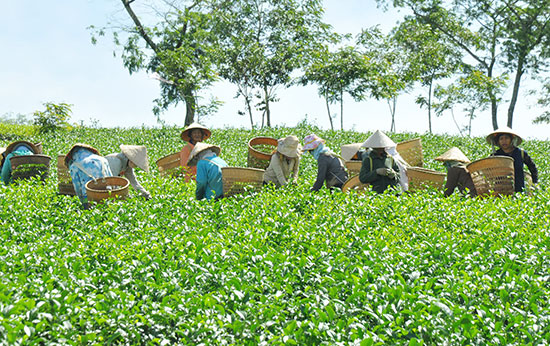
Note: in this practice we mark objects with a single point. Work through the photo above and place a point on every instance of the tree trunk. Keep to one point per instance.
(392, 103)
(249, 108)
(430, 104)
(517, 81)
(267, 111)
(341, 108)
(328, 111)
(190, 105)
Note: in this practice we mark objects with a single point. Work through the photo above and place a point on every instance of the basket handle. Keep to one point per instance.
(79, 166)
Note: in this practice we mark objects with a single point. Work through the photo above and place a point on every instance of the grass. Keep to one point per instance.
(284, 266)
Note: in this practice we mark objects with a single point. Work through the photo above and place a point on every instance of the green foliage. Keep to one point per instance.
(53, 118)
(283, 266)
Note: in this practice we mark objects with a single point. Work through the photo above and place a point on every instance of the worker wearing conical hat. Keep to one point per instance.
(123, 164)
(192, 134)
(18, 148)
(85, 164)
(209, 170)
(508, 141)
(330, 167)
(378, 168)
(457, 175)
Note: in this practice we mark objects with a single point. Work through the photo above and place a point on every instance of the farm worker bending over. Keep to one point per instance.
(378, 168)
(19, 148)
(123, 164)
(507, 141)
(85, 164)
(457, 175)
(285, 162)
(192, 134)
(330, 168)
(209, 170)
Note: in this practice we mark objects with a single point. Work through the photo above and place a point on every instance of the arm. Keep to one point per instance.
(129, 174)
(532, 168)
(322, 168)
(395, 167)
(6, 169)
(202, 180)
(278, 169)
(366, 175)
(295, 170)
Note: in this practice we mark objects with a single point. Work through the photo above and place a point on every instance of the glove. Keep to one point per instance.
(392, 174)
(382, 171)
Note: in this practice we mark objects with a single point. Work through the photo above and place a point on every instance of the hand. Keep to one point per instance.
(383, 171)
(392, 174)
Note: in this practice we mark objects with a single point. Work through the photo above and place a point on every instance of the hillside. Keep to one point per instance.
(283, 266)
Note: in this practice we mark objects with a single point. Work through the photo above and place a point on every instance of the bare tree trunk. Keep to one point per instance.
(430, 105)
(392, 104)
(267, 111)
(341, 108)
(328, 111)
(456, 124)
(190, 106)
(513, 101)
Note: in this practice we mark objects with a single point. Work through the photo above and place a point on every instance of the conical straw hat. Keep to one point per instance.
(69, 155)
(349, 150)
(137, 154)
(378, 140)
(200, 147)
(453, 154)
(491, 138)
(185, 134)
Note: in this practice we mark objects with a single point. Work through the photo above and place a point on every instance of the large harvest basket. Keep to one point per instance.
(493, 176)
(422, 178)
(354, 184)
(353, 167)
(170, 165)
(28, 166)
(237, 180)
(411, 152)
(260, 150)
(107, 188)
(65, 183)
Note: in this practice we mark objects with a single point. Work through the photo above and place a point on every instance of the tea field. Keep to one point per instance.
(280, 267)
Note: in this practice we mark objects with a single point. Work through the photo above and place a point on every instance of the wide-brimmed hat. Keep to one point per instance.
(492, 137)
(69, 155)
(378, 140)
(312, 141)
(14, 145)
(289, 146)
(185, 134)
(453, 154)
(349, 150)
(200, 147)
(137, 154)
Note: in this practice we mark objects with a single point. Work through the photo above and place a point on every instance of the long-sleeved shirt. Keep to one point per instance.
(119, 167)
(331, 170)
(520, 157)
(189, 172)
(368, 174)
(209, 177)
(21, 150)
(86, 166)
(458, 176)
(281, 172)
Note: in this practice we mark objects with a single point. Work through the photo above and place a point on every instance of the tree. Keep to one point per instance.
(176, 48)
(429, 57)
(262, 42)
(53, 118)
(544, 101)
(336, 73)
(498, 37)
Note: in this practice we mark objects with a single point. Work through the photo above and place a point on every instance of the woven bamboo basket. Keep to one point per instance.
(107, 188)
(422, 178)
(493, 176)
(28, 166)
(353, 167)
(237, 180)
(354, 184)
(260, 158)
(170, 165)
(411, 152)
(65, 183)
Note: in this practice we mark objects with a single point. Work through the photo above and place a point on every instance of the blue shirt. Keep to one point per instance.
(209, 177)
(20, 150)
(94, 166)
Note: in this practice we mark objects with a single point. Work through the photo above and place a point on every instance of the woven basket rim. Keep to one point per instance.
(166, 157)
(263, 140)
(123, 179)
(425, 170)
(488, 159)
(352, 182)
(410, 141)
(243, 168)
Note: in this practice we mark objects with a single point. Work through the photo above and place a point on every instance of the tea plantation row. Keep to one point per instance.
(282, 266)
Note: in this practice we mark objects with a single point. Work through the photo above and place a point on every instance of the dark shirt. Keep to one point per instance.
(331, 170)
(368, 173)
(458, 176)
(520, 159)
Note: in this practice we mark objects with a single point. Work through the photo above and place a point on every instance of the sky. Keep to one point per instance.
(48, 56)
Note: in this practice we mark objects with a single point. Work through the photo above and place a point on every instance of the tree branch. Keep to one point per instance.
(139, 26)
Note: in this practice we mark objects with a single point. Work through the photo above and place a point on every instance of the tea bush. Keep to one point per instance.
(283, 266)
